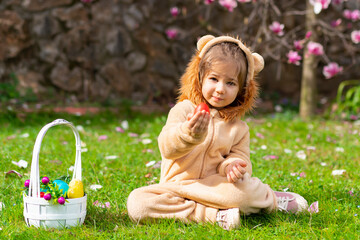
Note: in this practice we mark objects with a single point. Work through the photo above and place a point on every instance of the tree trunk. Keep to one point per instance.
(308, 80)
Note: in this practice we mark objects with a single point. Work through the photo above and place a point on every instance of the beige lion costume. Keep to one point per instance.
(193, 184)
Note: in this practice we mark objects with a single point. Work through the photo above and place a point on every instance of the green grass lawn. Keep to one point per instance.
(277, 144)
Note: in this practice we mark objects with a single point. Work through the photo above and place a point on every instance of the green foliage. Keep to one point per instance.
(8, 90)
(348, 98)
(338, 196)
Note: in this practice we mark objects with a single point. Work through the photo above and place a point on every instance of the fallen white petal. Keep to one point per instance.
(84, 150)
(263, 147)
(146, 141)
(80, 128)
(323, 164)
(288, 151)
(278, 108)
(150, 163)
(312, 148)
(21, 163)
(339, 149)
(2, 205)
(157, 165)
(83, 144)
(25, 135)
(145, 135)
(285, 189)
(111, 157)
(125, 125)
(301, 155)
(338, 172)
(95, 187)
(71, 169)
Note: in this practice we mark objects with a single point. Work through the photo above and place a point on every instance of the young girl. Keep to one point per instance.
(206, 168)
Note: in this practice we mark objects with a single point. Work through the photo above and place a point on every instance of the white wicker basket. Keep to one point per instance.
(40, 213)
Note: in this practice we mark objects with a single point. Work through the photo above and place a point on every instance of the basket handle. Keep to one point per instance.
(34, 188)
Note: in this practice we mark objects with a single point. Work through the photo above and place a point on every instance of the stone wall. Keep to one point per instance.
(114, 49)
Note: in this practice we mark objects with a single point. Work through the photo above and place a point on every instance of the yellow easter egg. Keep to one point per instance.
(76, 189)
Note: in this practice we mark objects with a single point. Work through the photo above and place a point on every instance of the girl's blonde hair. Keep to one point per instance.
(224, 51)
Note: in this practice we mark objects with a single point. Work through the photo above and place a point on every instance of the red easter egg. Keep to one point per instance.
(202, 106)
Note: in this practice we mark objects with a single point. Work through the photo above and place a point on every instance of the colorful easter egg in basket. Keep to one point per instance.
(62, 186)
(76, 189)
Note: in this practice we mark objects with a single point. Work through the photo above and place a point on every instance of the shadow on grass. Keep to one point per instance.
(254, 221)
(105, 219)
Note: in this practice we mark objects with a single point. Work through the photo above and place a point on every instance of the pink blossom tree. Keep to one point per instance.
(320, 36)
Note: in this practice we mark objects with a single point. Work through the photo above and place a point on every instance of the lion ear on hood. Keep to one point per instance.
(258, 62)
(203, 41)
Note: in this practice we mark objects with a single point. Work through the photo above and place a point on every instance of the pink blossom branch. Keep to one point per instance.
(275, 8)
(330, 31)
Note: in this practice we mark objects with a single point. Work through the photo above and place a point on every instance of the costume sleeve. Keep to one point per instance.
(241, 150)
(175, 140)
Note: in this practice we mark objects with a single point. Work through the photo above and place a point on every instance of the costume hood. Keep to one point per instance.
(190, 83)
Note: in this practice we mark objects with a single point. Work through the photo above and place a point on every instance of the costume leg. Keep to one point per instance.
(249, 194)
(159, 201)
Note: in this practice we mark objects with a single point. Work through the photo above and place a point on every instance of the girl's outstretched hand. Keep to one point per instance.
(235, 170)
(198, 123)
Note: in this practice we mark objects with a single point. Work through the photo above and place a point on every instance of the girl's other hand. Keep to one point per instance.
(235, 170)
(198, 123)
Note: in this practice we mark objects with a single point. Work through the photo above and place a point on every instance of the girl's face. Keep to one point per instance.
(221, 86)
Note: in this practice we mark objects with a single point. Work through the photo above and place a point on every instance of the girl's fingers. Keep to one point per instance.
(241, 169)
(189, 116)
(242, 163)
(228, 177)
(233, 176)
(200, 121)
(237, 173)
